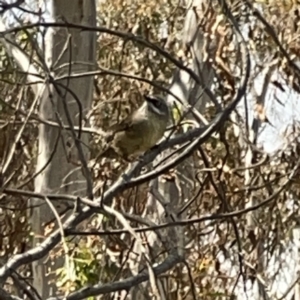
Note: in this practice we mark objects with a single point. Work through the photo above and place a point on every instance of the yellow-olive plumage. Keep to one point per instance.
(140, 131)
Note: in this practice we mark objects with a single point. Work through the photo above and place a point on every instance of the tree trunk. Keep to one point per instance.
(64, 173)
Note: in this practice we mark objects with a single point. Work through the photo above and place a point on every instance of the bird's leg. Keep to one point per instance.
(125, 177)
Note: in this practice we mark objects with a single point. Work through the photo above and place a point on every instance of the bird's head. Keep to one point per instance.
(157, 105)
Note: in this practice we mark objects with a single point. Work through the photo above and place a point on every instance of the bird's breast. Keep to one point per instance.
(155, 131)
(142, 136)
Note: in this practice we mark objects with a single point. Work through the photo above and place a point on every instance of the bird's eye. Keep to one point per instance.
(156, 103)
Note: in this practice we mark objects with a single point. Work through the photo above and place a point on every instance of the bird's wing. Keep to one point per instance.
(123, 125)
(127, 123)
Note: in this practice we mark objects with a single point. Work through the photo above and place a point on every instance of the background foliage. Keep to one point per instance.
(218, 252)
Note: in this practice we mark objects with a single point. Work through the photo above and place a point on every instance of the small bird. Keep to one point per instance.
(140, 131)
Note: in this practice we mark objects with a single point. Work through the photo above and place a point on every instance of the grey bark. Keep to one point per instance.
(63, 175)
(67, 51)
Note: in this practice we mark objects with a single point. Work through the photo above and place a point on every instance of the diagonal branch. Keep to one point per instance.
(125, 284)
